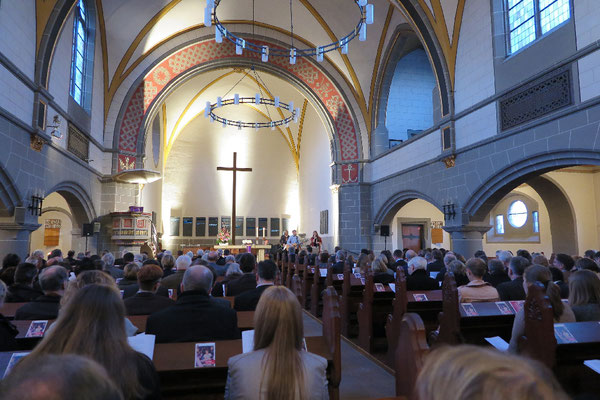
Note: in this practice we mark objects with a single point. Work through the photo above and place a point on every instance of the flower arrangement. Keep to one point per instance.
(223, 237)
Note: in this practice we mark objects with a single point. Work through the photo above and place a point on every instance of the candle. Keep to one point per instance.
(264, 232)
(257, 231)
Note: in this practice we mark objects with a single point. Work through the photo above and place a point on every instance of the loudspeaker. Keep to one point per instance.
(384, 230)
(87, 230)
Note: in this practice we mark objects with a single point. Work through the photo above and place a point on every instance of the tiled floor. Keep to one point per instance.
(362, 378)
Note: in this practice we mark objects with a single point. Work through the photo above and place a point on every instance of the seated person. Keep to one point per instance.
(233, 272)
(418, 279)
(565, 263)
(338, 267)
(196, 316)
(438, 261)
(562, 312)
(380, 272)
(448, 258)
(128, 284)
(22, 290)
(52, 281)
(91, 324)
(497, 273)
(109, 266)
(584, 295)
(265, 276)
(398, 261)
(559, 279)
(146, 301)
(477, 290)
(278, 367)
(476, 373)
(585, 263)
(245, 282)
(8, 331)
(513, 290)
(460, 272)
(212, 259)
(173, 281)
(65, 376)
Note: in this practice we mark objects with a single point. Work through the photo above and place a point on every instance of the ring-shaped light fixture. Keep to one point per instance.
(241, 44)
(209, 111)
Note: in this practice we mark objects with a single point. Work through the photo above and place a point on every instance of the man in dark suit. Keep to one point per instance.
(173, 281)
(195, 316)
(22, 290)
(212, 258)
(399, 261)
(438, 261)
(265, 277)
(513, 290)
(145, 301)
(418, 278)
(52, 281)
(338, 267)
(497, 274)
(245, 282)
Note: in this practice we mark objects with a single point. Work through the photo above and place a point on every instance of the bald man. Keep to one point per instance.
(196, 316)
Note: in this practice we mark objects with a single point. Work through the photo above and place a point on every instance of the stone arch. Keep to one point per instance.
(499, 185)
(396, 202)
(177, 63)
(51, 34)
(79, 201)
(9, 194)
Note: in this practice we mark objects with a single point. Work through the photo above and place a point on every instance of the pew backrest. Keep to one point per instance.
(539, 341)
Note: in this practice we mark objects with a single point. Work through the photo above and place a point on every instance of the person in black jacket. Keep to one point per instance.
(52, 281)
(399, 261)
(195, 316)
(265, 277)
(146, 301)
(418, 278)
(438, 261)
(338, 267)
(8, 331)
(513, 290)
(245, 282)
(381, 273)
(22, 290)
(497, 273)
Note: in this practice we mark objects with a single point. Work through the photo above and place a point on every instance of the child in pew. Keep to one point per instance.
(562, 312)
(91, 324)
(468, 372)
(278, 368)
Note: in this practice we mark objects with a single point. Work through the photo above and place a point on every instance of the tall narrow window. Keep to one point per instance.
(499, 224)
(536, 221)
(529, 20)
(78, 61)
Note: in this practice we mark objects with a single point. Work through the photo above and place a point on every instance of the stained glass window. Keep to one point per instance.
(78, 61)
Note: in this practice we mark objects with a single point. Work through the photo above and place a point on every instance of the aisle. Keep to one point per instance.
(362, 378)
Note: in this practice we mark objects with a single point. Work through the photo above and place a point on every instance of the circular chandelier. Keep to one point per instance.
(366, 18)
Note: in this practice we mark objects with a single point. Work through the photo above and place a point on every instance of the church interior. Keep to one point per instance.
(418, 181)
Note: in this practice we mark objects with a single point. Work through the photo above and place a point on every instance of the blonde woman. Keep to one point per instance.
(278, 368)
(475, 373)
(91, 324)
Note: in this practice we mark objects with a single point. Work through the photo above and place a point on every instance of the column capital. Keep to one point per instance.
(467, 228)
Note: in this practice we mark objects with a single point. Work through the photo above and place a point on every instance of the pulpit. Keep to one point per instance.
(131, 230)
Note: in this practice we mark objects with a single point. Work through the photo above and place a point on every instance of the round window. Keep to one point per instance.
(517, 214)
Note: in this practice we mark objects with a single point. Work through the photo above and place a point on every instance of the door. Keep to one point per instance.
(412, 236)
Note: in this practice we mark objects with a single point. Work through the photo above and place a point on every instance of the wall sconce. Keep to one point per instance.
(449, 212)
(35, 206)
(56, 127)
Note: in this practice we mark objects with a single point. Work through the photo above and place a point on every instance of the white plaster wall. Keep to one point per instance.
(417, 209)
(589, 75)
(474, 79)
(476, 126)
(60, 70)
(15, 97)
(17, 34)
(66, 238)
(315, 178)
(587, 28)
(421, 150)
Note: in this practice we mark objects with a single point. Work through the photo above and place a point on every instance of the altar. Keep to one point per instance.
(260, 249)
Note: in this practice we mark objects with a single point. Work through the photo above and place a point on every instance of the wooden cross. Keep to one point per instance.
(235, 169)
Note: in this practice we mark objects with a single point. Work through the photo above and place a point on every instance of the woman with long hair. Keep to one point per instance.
(561, 312)
(92, 324)
(278, 368)
(316, 242)
(584, 295)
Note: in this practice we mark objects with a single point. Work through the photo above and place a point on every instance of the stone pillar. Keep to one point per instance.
(15, 232)
(467, 239)
(355, 222)
(379, 139)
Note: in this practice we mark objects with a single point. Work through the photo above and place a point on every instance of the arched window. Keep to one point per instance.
(410, 103)
(81, 63)
(517, 214)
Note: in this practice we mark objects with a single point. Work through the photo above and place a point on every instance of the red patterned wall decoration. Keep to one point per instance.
(191, 56)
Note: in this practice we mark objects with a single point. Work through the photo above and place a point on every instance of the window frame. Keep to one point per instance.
(83, 18)
(537, 24)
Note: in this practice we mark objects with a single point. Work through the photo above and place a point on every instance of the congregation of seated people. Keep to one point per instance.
(183, 297)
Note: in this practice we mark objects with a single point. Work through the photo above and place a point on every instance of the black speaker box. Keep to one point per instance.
(87, 230)
(384, 230)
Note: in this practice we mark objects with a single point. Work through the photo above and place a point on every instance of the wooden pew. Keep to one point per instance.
(399, 309)
(307, 279)
(317, 286)
(332, 335)
(352, 289)
(372, 312)
(538, 342)
(410, 354)
(9, 309)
